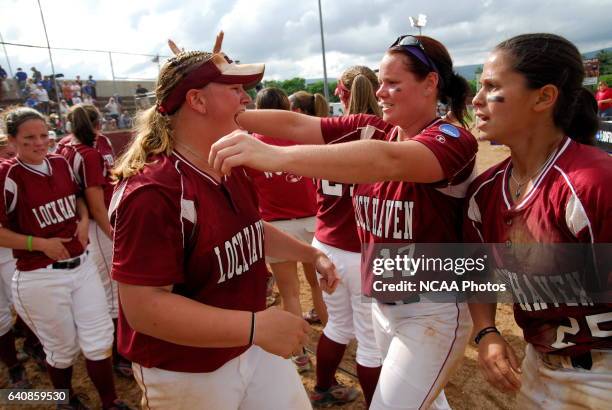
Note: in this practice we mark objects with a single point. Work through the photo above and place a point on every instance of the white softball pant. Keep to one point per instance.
(101, 253)
(421, 344)
(7, 270)
(254, 380)
(66, 309)
(563, 387)
(350, 313)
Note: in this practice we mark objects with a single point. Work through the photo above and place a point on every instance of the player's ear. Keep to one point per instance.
(196, 100)
(546, 98)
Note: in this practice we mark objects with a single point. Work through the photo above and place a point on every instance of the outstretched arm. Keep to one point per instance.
(292, 126)
(352, 162)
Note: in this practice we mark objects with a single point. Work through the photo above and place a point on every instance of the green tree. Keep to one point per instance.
(293, 85)
(605, 62)
(473, 87)
(317, 87)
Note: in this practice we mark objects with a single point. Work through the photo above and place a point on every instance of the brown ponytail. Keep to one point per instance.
(84, 119)
(311, 104)
(543, 59)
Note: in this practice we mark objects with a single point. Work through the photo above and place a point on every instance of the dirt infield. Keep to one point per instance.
(467, 389)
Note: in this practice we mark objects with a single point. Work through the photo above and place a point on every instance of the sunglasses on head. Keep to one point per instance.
(412, 45)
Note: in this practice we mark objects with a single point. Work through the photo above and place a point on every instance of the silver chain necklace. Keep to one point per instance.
(519, 184)
(192, 150)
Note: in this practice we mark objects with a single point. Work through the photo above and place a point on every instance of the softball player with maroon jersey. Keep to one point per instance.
(91, 157)
(288, 202)
(8, 353)
(204, 339)
(336, 235)
(554, 188)
(56, 290)
(429, 162)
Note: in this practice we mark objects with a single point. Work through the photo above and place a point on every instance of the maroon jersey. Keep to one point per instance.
(105, 148)
(91, 165)
(335, 214)
(39, 205)
(282, 195)
(570, 203)
(407, 212)
(175, 225)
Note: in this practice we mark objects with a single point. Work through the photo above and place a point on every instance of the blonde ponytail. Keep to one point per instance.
(153, 136)
(153, 130)
(321, 107)
(363, 83)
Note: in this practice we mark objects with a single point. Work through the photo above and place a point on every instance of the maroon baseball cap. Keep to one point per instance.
(218, 68)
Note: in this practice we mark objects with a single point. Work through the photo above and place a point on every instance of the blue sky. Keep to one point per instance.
(283, 34)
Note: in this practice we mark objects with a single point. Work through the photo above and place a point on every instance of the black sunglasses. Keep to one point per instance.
(415, 47)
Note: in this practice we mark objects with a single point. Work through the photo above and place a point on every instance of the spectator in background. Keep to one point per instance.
(30, 86)
(63, 107)
(125, 121)
(141, 90)
(31, 101)
(113, 108)
(36, 75)
(52, 142)
(43, 99)
(76, 99)
(46, 83)
(21, 77)
(67, 91)
(3, 76)
(604, 99)
(76, 91)
(91, 84)
(79, 81)
(87, 99)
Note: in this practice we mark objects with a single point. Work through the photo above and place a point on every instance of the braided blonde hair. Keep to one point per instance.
(153, 129)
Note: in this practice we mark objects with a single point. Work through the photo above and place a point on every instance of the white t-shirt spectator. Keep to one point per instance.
(41, 94)
(112, 108)
(76, 90)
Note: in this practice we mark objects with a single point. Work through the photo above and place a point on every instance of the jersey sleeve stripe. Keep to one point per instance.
(10, 187)
(182, 215)
(575, 214)
(116, 198)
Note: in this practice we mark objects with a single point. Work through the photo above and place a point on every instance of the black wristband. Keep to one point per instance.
(252, 335)
(485, 331)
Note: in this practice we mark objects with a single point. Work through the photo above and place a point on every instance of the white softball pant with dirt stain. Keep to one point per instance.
(101, 253)
(350, 313)
(421, 343)
(7, 270)
(561, 386)
(67, 310)
(255, 380)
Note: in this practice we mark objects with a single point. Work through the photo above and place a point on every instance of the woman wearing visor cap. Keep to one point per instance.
(425, 164)
(189, 254)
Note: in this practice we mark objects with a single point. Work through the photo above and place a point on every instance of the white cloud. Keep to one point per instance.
(283, 34)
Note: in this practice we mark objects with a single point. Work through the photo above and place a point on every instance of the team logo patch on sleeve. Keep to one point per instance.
(450, 130)
(441, 138)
